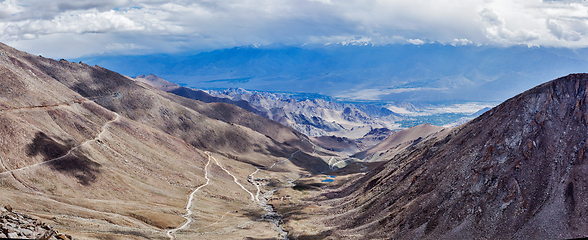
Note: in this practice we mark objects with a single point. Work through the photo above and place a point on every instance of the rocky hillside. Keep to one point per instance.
(316, 117)
(15, 225)
(157, 82)
(516, 172)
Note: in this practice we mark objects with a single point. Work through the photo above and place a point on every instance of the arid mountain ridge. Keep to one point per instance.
(516, 172)
(317, 117)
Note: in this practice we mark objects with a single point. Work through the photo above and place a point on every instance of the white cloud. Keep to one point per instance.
(461, 42)
(90, 22)
(8, 8)
(416, 41)
(555, 29)
(207, 24)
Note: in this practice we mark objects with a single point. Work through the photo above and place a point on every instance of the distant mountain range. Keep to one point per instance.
(430, 72)
(361, 126)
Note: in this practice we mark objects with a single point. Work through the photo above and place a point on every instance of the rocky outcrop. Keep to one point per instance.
(15, 225)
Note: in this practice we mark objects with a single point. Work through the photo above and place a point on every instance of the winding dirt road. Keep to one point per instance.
(234, 178)
(171, 233)
(41, 195)
(189, 213)
(68, 152)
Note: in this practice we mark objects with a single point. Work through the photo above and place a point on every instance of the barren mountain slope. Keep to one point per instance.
(124, 168)
(399, 141)
(62, 161)
(157, 82)
(187, 119)
(207, 98)
(516, 172)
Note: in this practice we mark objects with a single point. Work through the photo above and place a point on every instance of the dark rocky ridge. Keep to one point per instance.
(516, 172)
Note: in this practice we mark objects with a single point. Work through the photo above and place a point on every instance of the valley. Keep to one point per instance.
(98, 155)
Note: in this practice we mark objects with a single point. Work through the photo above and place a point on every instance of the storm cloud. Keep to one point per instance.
(67, 28)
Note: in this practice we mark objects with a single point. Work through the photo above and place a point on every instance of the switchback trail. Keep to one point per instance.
(234, 178)
(68, 152)
(67, 103)
(78, 101)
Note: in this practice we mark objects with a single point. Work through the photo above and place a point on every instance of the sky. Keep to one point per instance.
(75, 28)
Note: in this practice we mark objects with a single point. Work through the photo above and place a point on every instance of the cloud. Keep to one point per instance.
(416, 41)
(179, 25)
(497, 32)
(460, 42)
(555, 29)
(8, 8)
(91, 22)
(491, 18)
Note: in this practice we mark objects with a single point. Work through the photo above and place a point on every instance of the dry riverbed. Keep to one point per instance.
(301, 206)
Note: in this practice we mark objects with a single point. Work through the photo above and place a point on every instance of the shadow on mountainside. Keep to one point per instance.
(80, 167)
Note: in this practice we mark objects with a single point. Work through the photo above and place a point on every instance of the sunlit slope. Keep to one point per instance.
(98, 155)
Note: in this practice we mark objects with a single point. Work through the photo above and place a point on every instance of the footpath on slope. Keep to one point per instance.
(67, 103)
(67, 153)
(71, 151)
(115, 95)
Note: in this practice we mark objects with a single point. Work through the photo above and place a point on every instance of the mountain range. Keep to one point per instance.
(391, 73)
(344, 127)
(97, 155)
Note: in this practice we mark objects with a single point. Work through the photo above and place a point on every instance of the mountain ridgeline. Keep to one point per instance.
(516, 172)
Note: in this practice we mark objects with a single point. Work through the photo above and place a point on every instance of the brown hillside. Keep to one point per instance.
(398, 142)
(516, 172)
(99, 156)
